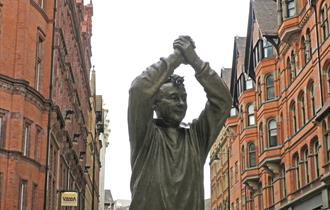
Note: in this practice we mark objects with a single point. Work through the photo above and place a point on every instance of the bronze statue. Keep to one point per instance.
(167, 160)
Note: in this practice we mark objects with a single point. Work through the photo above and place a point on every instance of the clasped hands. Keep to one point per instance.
(184, 47)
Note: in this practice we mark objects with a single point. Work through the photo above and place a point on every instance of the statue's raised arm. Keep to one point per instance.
(218, 104)
(167, 160)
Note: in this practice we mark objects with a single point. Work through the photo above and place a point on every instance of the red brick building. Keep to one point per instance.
(281, 96)
(46, 104)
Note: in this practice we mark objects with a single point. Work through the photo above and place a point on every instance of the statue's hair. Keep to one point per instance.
(176, 80)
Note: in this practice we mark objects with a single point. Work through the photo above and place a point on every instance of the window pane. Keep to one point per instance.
(291, 8)
(268, 48)
(249, 84)
(251, 120)
(233, 112)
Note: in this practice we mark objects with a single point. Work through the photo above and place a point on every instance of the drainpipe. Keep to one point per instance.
(50, 98)
(313, 3)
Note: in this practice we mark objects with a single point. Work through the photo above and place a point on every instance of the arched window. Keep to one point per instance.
(326, 138)
(270, 94)
(291, 8)
(250, 115)
(302, 109)
(261, 138)
(306, 166)
(324, 22)
(315, 147)
(293, 118)
(259, 91)
(252, 155)
(293, 65)
(311, 98)
(289, 68)
(303, 46)
(308, 46)
(271, 190)
(243, 158)
(272, 133)
(296, 170)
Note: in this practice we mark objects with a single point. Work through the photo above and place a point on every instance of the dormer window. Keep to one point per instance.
(248, 82)
(267, 49)
(291, 8)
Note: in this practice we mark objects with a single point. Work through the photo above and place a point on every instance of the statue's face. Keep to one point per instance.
(171, 105)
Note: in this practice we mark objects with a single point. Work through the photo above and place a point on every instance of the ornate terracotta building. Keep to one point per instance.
(48, 133)
(280, 117)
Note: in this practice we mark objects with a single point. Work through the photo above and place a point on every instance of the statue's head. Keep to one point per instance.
(171, 104)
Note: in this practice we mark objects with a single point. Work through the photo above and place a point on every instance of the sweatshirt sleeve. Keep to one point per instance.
(216, 111)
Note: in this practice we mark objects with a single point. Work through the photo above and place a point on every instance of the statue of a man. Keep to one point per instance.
(167, 160)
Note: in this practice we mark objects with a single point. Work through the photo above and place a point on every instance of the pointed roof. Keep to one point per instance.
(108, 197)
(265, 12)
(237, 66)
(240, 54)
(226, 75)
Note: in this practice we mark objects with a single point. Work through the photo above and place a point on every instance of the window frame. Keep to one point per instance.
(267, 48)
(271, 190)
(26, 138)
(291, 8)
(252, 155)
(261, 137)
(272, 138)
(302, 108)
(316, 160)
(324, 23)
(38, 59)
(296, 171)
(311, 98)
(306, 165)
(293, 117)
(22, 197)
(250, 115)
(270, 87)
(293, 66)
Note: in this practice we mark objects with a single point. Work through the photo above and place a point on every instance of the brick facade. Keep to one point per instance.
(282, 141)
(47, 109)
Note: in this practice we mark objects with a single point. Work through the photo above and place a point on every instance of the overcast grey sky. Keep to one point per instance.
(130, 35)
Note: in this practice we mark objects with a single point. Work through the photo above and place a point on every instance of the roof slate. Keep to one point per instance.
(266, 15)
(240, 45)
(226, 75)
